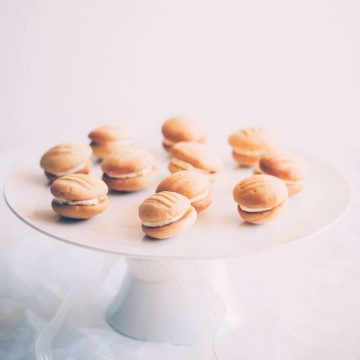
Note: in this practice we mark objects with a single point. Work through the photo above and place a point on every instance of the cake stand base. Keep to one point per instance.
(152, 306)
(164, 301)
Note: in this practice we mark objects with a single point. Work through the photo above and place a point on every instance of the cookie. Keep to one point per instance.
(166, 214)
(178, 129)
(285, 166)
(192, 184)
(130, 170)
(249, 145)
(66, 159)
(195, 156)
(79, 196)
(107, 140)
(260, 198)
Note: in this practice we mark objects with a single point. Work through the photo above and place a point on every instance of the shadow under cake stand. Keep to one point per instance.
(151, 304)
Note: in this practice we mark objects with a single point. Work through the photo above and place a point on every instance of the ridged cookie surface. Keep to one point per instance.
(197, 154)
(78, 187)
(162, 206)
(64, 157)
(260, 192)
(180, 129)
(283, 165)
(188, 183)
(110, 133)
(172, 229)
(127, 161)
(253, 139)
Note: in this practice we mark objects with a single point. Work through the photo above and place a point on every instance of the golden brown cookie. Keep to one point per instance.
(107, 140)
(166, 214)
(195, 156)
(285, 166)
(192, 184)
(66, 159)
(129, 170)
(260, 198)
(250, 144)
(79, 196)
(178, 129)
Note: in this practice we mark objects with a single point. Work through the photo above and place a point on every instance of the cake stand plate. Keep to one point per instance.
(152, 304)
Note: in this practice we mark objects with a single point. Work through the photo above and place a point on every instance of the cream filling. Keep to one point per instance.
(168, 221)
(123, 142)
(244, 208)
(72, 170)
(77, 202)
(249, 152)
(182, 164)
(168, 142)
(142, 172)
(200, 196)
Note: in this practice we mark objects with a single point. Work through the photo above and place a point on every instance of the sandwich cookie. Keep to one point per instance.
(194, 156)
(192, 184)
(178, 129)
(129, 170)
(66, 159)
(79, 196)
(166, 214)
(286, 167)
(108, 139)
(260, 198)
(248, 145)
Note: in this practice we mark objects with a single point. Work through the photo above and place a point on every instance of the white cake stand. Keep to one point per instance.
(152, 304)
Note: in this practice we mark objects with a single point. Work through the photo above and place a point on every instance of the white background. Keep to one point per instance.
(68, 66)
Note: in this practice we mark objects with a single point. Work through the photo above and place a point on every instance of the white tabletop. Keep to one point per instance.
(69, 67)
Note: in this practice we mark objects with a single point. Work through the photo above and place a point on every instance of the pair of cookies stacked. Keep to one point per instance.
(125, 167)
(175, 205)
(186, 192)
(185, 141)
(69, 158)
(76, 194)
(80, 196)
(277, 174)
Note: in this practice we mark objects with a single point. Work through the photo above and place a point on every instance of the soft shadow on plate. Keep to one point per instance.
(153, 240)
(44, 215)
(49, 216)
(244, 224)
(64, 220)
(119, 193)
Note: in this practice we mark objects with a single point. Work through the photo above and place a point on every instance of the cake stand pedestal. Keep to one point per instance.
(153, 306)
(164, 297)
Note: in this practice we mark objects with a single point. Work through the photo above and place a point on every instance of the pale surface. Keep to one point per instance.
(219, 231)
(67, 67)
